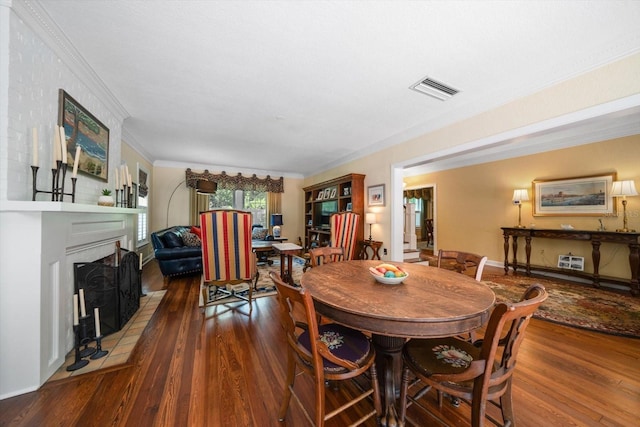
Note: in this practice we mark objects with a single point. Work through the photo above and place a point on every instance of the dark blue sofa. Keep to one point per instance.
(175, 258)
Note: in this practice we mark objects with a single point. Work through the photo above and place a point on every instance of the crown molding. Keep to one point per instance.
(35, 16)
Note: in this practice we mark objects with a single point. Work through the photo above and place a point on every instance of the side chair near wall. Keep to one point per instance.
(229, 266)
(329, 352)
(325, 255)
(475, 375)
(344, 233)
(462, 261)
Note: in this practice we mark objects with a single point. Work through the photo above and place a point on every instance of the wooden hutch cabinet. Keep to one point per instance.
(326, 198)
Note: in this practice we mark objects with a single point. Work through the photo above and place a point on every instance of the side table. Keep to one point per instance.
(375, 249)
(288, 250)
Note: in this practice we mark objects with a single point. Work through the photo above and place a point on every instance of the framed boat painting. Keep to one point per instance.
(581, 196)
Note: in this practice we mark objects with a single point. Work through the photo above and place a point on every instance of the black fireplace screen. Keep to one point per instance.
(115, 290)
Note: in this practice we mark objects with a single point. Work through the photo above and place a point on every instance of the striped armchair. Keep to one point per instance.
(229, 266)
(344, 233)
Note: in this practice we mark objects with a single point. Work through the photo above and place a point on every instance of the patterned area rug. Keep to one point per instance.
(265, 285)
(575, 305)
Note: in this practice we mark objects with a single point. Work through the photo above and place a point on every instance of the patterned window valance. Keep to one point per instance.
(237, 182)
(418, 193)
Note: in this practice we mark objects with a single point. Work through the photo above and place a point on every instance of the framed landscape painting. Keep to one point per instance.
(82, 129)
(582, 196)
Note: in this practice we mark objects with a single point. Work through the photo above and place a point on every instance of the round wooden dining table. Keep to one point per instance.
(431, 302)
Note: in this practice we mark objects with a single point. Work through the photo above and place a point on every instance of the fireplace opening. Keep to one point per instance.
(113, 284)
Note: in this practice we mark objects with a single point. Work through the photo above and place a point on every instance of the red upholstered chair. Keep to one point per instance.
(229, 266)
(344, 233)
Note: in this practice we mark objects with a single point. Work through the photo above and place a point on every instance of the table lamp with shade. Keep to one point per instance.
(624, 189)
(276, 222)
(370, 218)
(520, 195)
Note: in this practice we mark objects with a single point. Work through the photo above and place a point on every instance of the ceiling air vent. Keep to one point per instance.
(434, 88)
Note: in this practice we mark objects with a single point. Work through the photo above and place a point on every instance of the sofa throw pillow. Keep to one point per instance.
(172, 240)
(259, 233)
(191, 239)
(196, 230)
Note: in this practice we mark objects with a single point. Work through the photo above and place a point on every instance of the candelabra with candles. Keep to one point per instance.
(57, 183)
(124, 197)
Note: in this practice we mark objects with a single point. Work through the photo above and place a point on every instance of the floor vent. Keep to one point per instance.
(434, 88)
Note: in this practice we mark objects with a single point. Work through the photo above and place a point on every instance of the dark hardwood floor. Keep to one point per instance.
(228, 370)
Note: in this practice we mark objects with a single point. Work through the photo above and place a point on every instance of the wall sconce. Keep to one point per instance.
(624, 189)
(276, 222)
(519, 196)
(370, 218)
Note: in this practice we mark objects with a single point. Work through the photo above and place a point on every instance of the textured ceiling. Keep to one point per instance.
(296, 87)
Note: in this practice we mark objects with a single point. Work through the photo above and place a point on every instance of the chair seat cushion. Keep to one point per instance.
(343, 342)
(440, 355)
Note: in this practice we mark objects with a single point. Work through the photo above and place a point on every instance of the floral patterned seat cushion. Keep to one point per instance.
(344, 342)
(441, 355)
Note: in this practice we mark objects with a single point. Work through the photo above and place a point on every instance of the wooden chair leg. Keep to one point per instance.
(506, 406)
(291, 376)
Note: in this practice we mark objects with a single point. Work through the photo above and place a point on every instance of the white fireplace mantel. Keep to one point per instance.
(40, 242)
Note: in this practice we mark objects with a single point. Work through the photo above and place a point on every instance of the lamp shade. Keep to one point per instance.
(370, 218)
(623, 188)
(276, 219)
(206, 187)
(520, 195)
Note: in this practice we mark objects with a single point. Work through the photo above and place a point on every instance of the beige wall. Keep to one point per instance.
(474, 202)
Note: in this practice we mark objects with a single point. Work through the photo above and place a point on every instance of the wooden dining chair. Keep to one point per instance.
(229, 265)
(462, 261)
(329, 352)
(325, 255)
(475, 375)
(344, 233)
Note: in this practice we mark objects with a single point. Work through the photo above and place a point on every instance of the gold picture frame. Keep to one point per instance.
(579, 196)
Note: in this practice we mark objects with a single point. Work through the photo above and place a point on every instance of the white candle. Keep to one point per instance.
(123, 178)
(83, 307)
(56, 147)
(117, 180)
(140, 261)
(76, 161)
(75, 309)
(96, 320)
(34, 160)
(63, 145)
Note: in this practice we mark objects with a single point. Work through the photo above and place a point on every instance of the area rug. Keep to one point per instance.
(265, 286)
(576, 305)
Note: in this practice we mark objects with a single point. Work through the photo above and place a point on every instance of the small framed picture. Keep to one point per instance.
(327, 193)
(375, 195)
(320, 195)
(334, 193)
(348, 208)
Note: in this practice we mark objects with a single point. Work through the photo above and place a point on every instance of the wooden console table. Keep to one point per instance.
(375, 249)
(595, 237)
